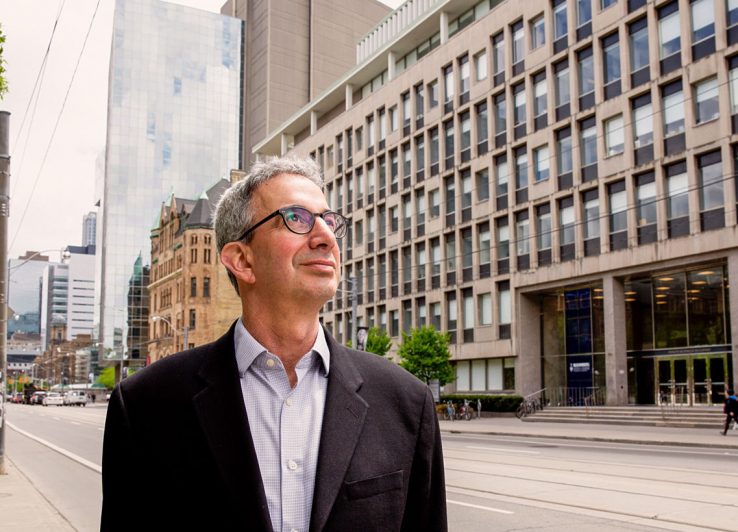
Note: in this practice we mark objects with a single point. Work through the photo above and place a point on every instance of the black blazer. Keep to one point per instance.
(178, 453)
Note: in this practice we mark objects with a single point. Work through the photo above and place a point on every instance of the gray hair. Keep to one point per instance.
(235, 213)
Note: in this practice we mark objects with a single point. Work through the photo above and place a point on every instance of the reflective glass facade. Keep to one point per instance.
(174, 123)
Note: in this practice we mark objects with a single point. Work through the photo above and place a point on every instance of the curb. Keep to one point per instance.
(595, 438)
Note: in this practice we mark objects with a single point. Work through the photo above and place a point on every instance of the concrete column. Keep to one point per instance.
(391, 60)
(313, 122)
(733, 306)
(348, 96)
(616, 366)
(443, 27)
(287, 143)
(528, 339)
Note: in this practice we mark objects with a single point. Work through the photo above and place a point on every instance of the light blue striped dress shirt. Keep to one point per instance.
(285, 424)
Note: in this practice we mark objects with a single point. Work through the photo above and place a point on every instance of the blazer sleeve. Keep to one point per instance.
(426, 504)
(118, 453)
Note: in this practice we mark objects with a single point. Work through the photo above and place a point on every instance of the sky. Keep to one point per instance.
(58, 132)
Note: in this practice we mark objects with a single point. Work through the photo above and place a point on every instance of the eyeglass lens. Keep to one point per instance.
(301, 220)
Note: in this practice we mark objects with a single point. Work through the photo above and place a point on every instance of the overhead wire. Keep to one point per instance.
(56, 125)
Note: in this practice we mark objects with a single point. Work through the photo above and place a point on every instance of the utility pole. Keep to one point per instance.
(4, 212)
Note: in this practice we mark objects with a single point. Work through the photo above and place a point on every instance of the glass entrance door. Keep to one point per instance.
(691, 380)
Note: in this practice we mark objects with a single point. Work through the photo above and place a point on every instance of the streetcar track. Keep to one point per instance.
(542, 461)
(563, 506)
(718, 504)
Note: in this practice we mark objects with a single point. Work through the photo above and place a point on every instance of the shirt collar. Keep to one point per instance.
(248, 348)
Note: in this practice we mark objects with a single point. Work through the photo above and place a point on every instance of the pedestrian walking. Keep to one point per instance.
(275, 426)
(479, 408)
(730, 409)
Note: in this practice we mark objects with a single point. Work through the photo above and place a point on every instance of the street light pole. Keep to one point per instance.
(4, 211)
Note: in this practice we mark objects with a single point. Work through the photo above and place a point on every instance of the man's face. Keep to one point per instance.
(304, 268)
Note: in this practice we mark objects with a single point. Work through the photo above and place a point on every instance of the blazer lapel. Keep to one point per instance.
(223, 418)
(343, 420)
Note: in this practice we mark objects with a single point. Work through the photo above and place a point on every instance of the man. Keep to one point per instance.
(730, 409)
(274, 426)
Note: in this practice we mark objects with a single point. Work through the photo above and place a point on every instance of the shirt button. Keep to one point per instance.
(292, 465)
(288, 402)
(270, 363)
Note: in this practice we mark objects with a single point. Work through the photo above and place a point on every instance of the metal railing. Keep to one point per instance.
(584, 396)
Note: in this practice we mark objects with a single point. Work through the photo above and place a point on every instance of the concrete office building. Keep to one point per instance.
(552, 182)
(24, 292)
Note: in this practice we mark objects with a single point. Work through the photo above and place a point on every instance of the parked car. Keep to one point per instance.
(37, 398)
(53, 398)
(75, 398)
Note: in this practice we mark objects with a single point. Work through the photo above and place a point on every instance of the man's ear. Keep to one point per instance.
(237, 258)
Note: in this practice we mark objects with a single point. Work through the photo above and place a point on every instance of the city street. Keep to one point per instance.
(495, 483)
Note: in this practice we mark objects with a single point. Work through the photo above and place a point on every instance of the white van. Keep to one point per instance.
(75, 398)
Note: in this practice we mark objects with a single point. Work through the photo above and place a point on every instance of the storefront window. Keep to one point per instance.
(638, 315)
(705, 307)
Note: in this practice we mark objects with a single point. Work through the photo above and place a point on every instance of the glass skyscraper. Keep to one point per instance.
(174, 123)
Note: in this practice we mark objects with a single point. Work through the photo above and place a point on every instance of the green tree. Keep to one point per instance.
(424, 353)
(107, 377)
(378, 341)
(3, 81)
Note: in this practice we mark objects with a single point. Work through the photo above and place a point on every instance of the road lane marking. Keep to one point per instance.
(480, 507)
(63, 452)
(502, 449)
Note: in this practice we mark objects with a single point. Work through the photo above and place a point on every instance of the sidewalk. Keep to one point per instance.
(511, 426)
(23, 508)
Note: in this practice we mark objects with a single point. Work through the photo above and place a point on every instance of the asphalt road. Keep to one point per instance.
(493, 483)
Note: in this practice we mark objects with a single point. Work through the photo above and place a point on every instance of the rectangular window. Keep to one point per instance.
(642, 122)
(419, 154)
(504, 303)
(419, 101)
(448, 83)
(591, 207)
(639, 45)
(519, 103)
(435, 256)
(433, 94)
(482, 185)
(500, 114)
(614, 136)
(393, 118)
(677, 186)
(483, 243)
(464, 76)
(435, 203)
(420, 260)
(193, 286)
(563, 91)
(711, 181)
(448, 145)
(468, 300)
(450, 195)
(436, 315)
(522, 233)
(733, 81)
(541, 162)
(434, 149)
(669, 31)
(584, 12)
(382, 125)
(706, 100)
(450, 252)
(618, 208)
(611, 58)
(394, 214)
(521, 168)
(564, 157)
(518, 36)
(451, 313)
(465, 138)
(703, 20)
(206, 287)
(537, 32)
(673, 108)
(193, 319)
(420, 207)
(560, 21)
(481, 120)
(406, 113)
(370, 131)
(467, 255)
(503, 239)
(498, 45)
(586, 72)
(588, 141)
(480, 65)
(484, 309)
(566, 221)
(502, 175)
(646, 200)
(540, 95)
(466, 189)
(543, 227)
(732, 12)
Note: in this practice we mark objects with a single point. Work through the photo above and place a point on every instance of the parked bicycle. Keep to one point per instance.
(528, 407)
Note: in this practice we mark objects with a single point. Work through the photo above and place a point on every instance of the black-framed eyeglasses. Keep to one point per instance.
(300, 221)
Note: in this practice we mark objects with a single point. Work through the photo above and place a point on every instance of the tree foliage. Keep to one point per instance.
(107, 377)
(424, 353)
(378, 341)
(3, 81)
